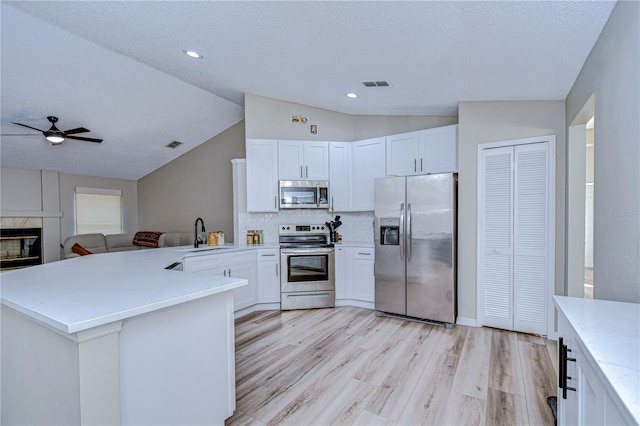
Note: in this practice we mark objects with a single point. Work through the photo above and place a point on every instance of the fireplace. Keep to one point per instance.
(20, 247)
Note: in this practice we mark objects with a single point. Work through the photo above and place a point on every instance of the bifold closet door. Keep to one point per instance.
(531, 222)
(497, 233)
(514, 237)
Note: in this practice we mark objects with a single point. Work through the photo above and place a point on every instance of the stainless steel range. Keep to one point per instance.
(307, 265)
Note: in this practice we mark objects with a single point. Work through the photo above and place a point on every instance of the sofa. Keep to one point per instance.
(99, 243)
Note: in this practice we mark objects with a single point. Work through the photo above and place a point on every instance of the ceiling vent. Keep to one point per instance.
(174, 144)
(380, 83)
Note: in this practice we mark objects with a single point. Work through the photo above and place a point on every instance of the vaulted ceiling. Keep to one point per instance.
(118, 67)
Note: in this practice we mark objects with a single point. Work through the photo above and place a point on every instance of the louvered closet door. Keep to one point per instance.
(531, 222)
(497, 237)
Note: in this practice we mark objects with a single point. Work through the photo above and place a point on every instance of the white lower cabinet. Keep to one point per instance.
(355, 283)
(587, 398)
(363, 281)
(241, 264)
(268, 276)
(342, 279)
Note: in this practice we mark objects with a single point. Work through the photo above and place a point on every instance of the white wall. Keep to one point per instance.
(196, 184)
(611, 72)
(20, 189)
(267, 118)
(373, 126)
(481, 122)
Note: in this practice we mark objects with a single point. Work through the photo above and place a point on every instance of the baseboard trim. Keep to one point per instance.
(257, 307)
(357, 303)
(469, 322)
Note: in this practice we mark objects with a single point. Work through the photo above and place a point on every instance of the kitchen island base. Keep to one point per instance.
(170, 366)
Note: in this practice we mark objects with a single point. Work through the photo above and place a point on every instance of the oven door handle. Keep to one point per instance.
(308, 251)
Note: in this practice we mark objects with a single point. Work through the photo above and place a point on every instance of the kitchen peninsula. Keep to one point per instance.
(116, 338)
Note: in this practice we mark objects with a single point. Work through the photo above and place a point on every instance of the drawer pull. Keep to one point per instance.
(308, 294)
(265, 255)
(365, 254)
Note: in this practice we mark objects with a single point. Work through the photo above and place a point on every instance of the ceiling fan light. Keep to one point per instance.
(55, 139)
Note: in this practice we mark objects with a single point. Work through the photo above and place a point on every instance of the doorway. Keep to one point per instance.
(579, 203)
(588, 210)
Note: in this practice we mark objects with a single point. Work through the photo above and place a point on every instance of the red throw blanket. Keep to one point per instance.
(147, 238)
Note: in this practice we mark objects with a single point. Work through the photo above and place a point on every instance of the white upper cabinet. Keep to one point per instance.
(353, 168)
(423, 152)
(439, 150)
(403, 152)
(262, 175)
(303, 160)
(368, 163)
(340, 176)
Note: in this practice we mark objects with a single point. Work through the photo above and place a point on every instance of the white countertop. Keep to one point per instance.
(610, 332)
(367, 244)
(80, 293)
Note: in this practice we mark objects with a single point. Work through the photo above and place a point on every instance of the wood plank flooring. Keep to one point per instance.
(345, 366)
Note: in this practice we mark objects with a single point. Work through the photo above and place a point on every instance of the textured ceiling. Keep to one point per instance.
(434, 54)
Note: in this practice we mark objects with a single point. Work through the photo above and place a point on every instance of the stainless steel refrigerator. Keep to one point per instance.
(415, 241)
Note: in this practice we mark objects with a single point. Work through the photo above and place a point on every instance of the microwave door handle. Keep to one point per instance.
(318, 195)
(401, 231)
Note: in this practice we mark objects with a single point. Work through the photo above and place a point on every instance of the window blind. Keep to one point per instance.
(98, 210)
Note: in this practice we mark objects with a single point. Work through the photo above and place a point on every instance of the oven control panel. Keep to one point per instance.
(302, 229)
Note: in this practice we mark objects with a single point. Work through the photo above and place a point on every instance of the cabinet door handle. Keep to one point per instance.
(277, 269)
(562, 368)
(306, 171)
(229, 271)
(560, 363)
(421, 164)
(301, 175)
(415, 167)
(332, 203)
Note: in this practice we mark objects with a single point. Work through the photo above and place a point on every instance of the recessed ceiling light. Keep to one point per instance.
(352, 95)
(193, 54)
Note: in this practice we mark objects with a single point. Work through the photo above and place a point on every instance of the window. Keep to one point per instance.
(98, 211)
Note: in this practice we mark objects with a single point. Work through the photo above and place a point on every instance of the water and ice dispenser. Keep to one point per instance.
(389, 231)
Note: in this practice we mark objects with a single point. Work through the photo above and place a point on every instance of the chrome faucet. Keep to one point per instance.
(196, 242)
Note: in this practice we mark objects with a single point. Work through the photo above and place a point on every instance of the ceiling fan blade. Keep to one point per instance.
(28, 127)
(19, 134)
(76, 130)
(81, 138)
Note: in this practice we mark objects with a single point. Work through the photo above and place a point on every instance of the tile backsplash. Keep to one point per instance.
(355, 226)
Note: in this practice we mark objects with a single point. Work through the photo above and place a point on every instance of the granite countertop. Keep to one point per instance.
(610, 334)
(77, 294)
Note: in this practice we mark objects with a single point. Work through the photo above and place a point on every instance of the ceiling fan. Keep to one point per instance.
(57, 136)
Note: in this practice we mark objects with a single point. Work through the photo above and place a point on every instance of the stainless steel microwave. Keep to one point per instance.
(304, 194)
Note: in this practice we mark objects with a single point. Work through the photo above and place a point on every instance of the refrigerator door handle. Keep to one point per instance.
(409, 233)
(401, 231)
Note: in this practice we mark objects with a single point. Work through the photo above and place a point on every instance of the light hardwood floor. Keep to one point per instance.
(346, 366)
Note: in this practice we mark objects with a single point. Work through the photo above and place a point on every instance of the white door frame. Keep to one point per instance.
(551, 141)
